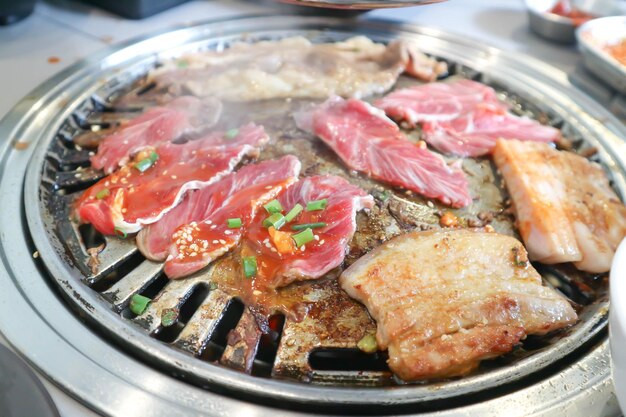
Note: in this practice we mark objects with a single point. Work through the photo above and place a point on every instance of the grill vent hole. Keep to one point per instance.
(216, 345)
(338, 359)
(90, 237)
(186, 310)
(107, 281)
(268, 346)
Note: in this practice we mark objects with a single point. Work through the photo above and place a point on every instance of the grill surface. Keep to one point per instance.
(100, 293)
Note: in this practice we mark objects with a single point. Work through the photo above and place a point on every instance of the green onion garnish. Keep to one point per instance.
(308, 225)
(303, 237)
(231, 133)
(277, 220)
(168, 317)
(146, 163)
(120, 233)
(104, 193)
(234, 223)
(317, 205)
(297, 209)
(138, 304)
(249, 266)
(368, 344)
(273, 207)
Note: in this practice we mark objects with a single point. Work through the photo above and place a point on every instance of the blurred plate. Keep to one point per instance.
(21, 392)
(617, 323)
(360, 5)
(592, 37)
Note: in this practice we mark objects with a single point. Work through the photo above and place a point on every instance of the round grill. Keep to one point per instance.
(299, 366)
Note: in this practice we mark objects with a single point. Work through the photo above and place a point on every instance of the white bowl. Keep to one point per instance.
(617, 323)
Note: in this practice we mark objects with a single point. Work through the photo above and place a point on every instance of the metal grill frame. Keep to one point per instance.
(534, 74)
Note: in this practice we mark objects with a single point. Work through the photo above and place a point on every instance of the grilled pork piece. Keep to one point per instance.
(206, 211)
(445, 300)
(566, 210)
(367, 141)
(294, 67)
(279, 259)
(143, 191)
(437, 102)
(157, 125)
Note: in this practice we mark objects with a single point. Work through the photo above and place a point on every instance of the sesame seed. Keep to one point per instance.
(106, 183)
(165, 172)
(215, 242)
(269, 187)
(430, 204)
(214, 226)
(124, 210)
(302, 248)
(273, 250)
(257, 292)
(36, 254)
(193, 254)
(222, 241)
(180, 256)
(173, 177)
(227, 232)
(322, 241)
(316, 237)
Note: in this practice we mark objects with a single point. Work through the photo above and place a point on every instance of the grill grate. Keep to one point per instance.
(211, 324)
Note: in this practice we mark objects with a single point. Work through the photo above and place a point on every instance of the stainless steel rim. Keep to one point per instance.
(33, 120)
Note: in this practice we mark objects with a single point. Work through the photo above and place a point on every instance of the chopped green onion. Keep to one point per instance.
(104, 193)
(234, 223)
(168, 317)
(231, 133)
(120, 233)
(273, 207)
(303, 237)
(308, 225)
(249, 266)
(368, 344)
(317, 205)
(146, 163)
(277, 220)
(138, 304)
(297, 209)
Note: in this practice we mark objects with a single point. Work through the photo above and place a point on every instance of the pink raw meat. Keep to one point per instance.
(255, 182)
(129, 199)
(475, 133)
(440, 101)
(324, 253)
(157, 125)
(367, 141)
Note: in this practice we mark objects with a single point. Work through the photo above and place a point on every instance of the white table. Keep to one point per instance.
(70, 31)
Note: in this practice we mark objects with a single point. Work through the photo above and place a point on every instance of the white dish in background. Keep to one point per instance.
(617, 323)
(592, 37)
(549, 25)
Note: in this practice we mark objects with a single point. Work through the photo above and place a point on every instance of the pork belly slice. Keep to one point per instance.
(445, 300)
(129, 199)
(475, 133)
(296, 68)
(276, 267)
(161, 124)
(566, 210)
(437, 102)
(236, 195)
(367, 141)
